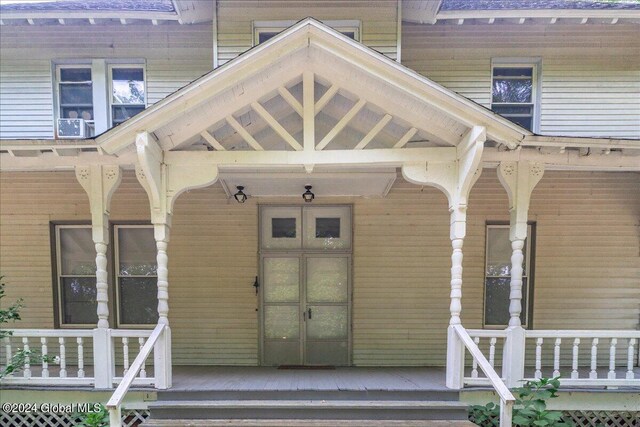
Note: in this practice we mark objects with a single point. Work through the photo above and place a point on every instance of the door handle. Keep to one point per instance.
(309, 312)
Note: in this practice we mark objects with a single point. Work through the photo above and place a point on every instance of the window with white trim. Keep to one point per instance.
(132, 289)
(128, 94)
(76, 275)
(514, 92)
(265, 30)
(75, 93)
(497, 285)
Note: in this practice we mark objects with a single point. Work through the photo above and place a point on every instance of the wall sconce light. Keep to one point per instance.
(240, 196)
(308, 196)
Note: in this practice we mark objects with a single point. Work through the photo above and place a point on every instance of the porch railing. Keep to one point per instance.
(507, 399)
(130, 376)
(124, 342)
(581, 358)
(68, 346)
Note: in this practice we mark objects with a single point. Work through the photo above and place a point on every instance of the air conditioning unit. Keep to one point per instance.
(72, 128)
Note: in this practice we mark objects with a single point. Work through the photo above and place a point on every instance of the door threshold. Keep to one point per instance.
(308, 367)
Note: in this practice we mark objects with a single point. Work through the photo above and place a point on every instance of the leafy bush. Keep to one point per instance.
(530, 409)
(99, 418)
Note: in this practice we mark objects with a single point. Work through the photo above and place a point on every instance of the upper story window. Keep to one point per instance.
(265, 30)
(497, 285)
(128, 94)
(514, 92)
(75, 93)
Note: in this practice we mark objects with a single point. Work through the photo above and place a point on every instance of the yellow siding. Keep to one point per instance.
(235, 21)
(590, 73)
(587, 265)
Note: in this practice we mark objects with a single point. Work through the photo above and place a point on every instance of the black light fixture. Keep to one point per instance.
(240, 196)
(308, 196)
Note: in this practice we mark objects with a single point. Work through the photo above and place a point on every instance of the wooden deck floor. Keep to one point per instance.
(211, 378)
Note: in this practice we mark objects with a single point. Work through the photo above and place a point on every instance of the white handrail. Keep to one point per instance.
(506, 398)
(565, 333)
(113, 405)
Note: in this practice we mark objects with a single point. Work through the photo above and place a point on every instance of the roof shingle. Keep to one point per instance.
(540, 4)
(90, 5)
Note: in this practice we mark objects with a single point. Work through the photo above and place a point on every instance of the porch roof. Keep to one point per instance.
(376, 96)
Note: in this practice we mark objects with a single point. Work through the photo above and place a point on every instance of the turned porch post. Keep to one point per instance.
(163, 183)
(100, 182)
(519, 179)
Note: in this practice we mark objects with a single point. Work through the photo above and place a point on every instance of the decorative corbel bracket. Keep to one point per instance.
(165, 182)
(455, 179)
(99, 182)
(519, 179)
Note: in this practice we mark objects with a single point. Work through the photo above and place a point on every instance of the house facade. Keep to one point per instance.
(368, 185)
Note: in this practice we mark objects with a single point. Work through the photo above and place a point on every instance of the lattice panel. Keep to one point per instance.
(130, 418)
(603, 418)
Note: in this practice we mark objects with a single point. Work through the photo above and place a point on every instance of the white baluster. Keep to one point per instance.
(143, 370)
(63, 358)
(80, 358)
(556, 358)
(474, 364)
(492, 351)
(538, 373)
(576, 348)
(630, 374)
(8, 351)
(594, 359)
(27, 360)
(125, 354)
(45, 364)
(612, 359)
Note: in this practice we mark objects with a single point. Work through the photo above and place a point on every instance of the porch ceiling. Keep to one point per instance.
(361, 100)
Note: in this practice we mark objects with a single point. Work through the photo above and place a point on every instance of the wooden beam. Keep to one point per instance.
(291, 100)
(373, 132)
(277, 127)
(324, 100)
(341, 124)
(211, 140)
(243, 133)
(405, 138)
(308, 116)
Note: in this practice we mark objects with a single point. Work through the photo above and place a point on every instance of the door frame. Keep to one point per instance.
(302, 254)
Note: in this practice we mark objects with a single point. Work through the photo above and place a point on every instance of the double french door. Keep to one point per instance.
(306, 289)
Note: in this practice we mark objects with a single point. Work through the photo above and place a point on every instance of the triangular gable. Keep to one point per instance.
(362, 100)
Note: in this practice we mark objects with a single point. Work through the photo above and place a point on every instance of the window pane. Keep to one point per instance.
(507, 110)
(525, 122)
(128, 86)
(79, 300)
(263, 36)
(498, 252)
(328, 228)
(76, 94)
(85, 113)
(77, 252)
(512, 90)
(513, 72)
(75, 74)
(120, 113)
(136, 252)
(496, 309)
(283, 228)
(138, 300)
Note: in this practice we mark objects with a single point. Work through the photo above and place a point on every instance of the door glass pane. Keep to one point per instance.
(137, 251)
(327, 279)
(327, 322)
(281, 279)
(328, 228)
(138, 300)
(79, 300)
(498, 252)
(283, 228)
(281, 322)
(78, 253)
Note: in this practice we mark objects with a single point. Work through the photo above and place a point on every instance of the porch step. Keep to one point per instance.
(300, 409)
(434, 395)
(308, 423)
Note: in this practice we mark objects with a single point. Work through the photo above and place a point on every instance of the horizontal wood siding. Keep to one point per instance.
(174, 56)
(235, 21)
(587, 261)
(590, 73)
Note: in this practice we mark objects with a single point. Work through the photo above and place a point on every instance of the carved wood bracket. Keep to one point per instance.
(99, 182)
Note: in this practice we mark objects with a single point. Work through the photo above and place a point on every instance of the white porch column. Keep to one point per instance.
(163, 184)
(100, 182)
(519, 179)
(455, 179)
